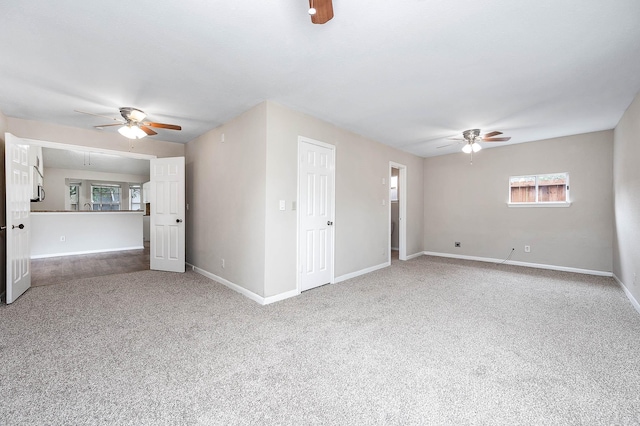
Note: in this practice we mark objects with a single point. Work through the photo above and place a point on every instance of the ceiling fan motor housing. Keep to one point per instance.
(471, 134)
(132, 114)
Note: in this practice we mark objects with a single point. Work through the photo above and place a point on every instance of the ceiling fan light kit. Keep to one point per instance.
(132, 125)
(471, 147)
(472, 136)
(132, 131)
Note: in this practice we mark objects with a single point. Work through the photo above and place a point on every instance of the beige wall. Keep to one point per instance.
(626, 155)
(92, 138)
(468, 203)
(226, 197)
(361, 222)
(234, 189)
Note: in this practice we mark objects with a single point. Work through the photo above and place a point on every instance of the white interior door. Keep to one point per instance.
(316, 177)
(167, 214)
(18, 197)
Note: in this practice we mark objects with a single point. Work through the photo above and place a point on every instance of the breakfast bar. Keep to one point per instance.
(66, 233)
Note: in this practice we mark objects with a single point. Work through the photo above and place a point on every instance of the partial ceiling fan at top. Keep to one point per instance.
(133, 126)
(321, 11)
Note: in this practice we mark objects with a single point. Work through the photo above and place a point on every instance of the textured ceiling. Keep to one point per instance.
(407, 73)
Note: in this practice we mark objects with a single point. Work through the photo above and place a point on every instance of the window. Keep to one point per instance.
(105, 197)
(394, 188)
(135, 196)
(547, 189)
(74, 192)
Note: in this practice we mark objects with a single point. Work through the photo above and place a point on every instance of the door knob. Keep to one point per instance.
(329, 223)
(21, 226)
(178, 220)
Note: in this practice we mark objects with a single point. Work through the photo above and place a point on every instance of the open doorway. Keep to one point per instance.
(167, 195)
(88, 224)
(397, 211)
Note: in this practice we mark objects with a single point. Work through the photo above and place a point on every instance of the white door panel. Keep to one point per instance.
(18, 196)
(316, 183)
(167, 214)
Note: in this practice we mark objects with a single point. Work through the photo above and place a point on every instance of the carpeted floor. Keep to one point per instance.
(428, 341)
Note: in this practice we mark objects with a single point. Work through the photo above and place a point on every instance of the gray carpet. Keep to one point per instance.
(428, 341)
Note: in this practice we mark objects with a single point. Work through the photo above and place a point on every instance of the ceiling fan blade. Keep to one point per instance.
(108, 125)
(324, 11)
(98, 115)
(492, 134)
(455, 138)
(496, 139)
(148, 131)
(162, 125)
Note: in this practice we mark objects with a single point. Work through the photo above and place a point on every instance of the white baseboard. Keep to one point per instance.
(395, 248)
(632, 299)
(525, 264)
(360, 272)
(414, 255)
(75, 253)
(247, 293)
(281, 296)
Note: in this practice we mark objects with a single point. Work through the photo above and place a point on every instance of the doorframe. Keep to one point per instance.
(332, 148)
(402, 211)
(81, 148)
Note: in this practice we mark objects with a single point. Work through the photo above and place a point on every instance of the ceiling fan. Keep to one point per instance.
(472, 136)
(321, 11)
(133, 125)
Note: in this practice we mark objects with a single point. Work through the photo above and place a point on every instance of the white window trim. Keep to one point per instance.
(541, 203)
(391, 188)
(131, 203)
(108, 185)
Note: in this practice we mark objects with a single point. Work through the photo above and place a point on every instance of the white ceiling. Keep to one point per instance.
(407, 73)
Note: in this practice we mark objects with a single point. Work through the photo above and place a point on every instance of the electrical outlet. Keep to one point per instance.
(222, 263)
(63, 239)
(457, 244)
(527, 249)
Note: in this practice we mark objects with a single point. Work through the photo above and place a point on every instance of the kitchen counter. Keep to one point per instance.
(65, 233)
